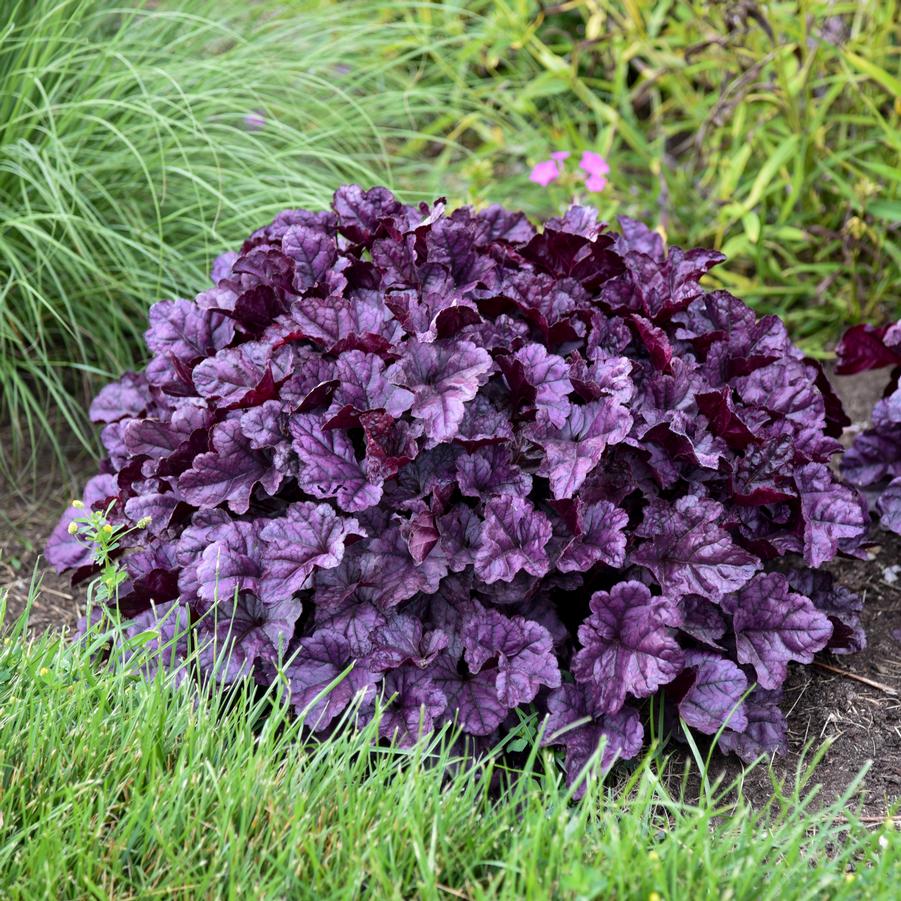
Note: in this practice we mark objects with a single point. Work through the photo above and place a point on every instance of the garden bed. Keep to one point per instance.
(863, 721)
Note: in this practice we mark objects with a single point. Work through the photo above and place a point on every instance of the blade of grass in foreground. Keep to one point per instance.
(114, 786)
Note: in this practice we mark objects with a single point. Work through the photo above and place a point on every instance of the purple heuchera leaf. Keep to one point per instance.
(574, 449)
(416, 704)
(715, 696)
(599, 538)
(165, 630)
(688, 550)
(124, 399)
(411, 443)
(229, 472)
(322, 660)
(865, 347)
(874, 461)
(514, 536)
(309, 537)
(774, 625)
(841, 605)
(627, 648)
(242, 629)
(329, 466)
(230, 564)
(443, 377)
(544, 376)
(832, 512)
(765, 731)
(889, 507)
(519, 651)
(573, 723)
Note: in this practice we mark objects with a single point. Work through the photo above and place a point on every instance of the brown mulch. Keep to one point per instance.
(862, 722)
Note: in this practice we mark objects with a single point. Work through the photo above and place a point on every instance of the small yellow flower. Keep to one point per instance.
(107, 529)
(144, 521)
(73, 528)
(855, 227)
(655, 896)
(43, 671)
(653, 856)
(78, 505)
(850, 877)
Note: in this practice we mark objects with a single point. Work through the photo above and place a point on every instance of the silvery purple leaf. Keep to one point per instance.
(517, 650)
(313, 252)
(546, 377)
(841, 605)
(765, 732)
(573, 450)
(471, 699)
(574, 724)
(889, 507)
(443, 377)
(124, 399)
(402, 640)
(323, 659)
(689, 552)
(831, 512)
(774, 625)
(514, 537)
(241, 630)
(715, 696)
(229, 472)
(308, 537)
(600, 538)
(329, 466)
(416, 703)
(490, 471)
(230, 564)
(627, 646)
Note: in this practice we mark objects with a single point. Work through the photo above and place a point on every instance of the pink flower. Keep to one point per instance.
(545, 172)
(596, 182)
(594, 164)
(255, 120)
(560, 155)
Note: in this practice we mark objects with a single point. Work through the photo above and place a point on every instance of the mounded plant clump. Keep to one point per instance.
(490, 467)
(874, 461)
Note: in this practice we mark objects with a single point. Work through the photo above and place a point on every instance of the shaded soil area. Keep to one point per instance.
(27, 516)
(852, 701)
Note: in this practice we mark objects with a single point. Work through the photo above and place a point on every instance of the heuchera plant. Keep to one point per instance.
(488, 466)
(874, 461)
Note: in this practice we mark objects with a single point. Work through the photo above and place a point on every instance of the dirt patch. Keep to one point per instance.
(28, 513)
(862, 722)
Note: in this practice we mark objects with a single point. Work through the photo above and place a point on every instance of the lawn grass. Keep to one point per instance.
(116, 787)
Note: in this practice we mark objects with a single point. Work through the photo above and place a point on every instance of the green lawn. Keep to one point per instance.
(115, 787)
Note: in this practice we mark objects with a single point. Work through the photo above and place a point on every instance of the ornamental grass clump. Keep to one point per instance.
(482, 466)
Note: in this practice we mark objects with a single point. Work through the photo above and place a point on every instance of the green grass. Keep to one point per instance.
(114, 787)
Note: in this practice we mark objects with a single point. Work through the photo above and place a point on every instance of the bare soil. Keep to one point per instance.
(852, 701)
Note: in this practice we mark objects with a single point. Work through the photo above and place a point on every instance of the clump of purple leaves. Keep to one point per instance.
(489, 466)
(873, 463)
